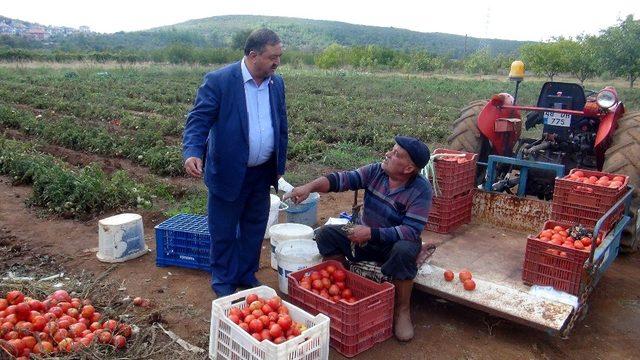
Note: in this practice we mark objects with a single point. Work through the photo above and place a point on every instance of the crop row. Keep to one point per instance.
(67, 191)
(145, 146)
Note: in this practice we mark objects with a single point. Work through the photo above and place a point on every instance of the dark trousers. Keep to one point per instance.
(398, 259)
(237, 229)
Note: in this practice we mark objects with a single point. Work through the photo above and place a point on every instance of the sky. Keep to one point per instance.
(479, 18)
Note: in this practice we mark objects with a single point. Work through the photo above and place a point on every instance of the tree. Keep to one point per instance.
(480, 62)
(582, 56)
(240, 38)
(545, 58)
(620, 47)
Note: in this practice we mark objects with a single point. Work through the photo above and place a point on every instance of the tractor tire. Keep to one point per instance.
(466, 136)
(623, 157)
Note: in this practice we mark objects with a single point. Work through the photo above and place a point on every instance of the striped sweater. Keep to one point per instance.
(395, 215)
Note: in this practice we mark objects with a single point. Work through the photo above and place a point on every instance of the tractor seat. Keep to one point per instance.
(572, 98)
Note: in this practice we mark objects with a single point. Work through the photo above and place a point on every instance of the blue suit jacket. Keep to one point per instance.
(220, 113)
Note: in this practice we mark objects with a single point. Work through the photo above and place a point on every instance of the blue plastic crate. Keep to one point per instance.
(183, 241)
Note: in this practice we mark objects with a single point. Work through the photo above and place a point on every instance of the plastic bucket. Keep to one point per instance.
(306, 212)
(294, 255)
(121, 238)
(287, 231)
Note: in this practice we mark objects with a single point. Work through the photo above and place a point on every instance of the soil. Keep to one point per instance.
(443, 330)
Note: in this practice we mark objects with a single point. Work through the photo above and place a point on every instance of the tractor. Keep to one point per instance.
(580, 129)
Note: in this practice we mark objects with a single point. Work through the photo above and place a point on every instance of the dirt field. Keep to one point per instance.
(444, 330)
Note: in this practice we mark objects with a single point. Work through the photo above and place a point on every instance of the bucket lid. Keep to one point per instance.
(298, 250)
(120, 219)
(291, 230)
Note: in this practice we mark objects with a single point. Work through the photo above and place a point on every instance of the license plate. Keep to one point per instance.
(557, 119)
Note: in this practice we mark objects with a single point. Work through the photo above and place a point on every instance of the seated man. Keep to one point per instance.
(396, 205)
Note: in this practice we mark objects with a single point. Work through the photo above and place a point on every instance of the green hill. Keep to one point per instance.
(303, 34)
(318, 34)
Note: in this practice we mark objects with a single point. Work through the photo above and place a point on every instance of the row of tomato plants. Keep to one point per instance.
(64, 190)
(146, 147)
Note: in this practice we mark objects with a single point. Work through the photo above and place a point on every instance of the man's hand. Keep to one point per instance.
(193, 166)
(297, 195)
(359, 234)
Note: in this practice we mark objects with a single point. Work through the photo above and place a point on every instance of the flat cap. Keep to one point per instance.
(417, 150)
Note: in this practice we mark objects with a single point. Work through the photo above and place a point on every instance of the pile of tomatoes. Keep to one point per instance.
(561, 236)
(59, 324)
(329, 282)
(614, 182)
(266, 319)
(465, 276)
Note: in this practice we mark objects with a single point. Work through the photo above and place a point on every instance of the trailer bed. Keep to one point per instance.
(495, 258)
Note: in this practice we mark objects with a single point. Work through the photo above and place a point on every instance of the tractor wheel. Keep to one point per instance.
(623, 157)
(466, 136)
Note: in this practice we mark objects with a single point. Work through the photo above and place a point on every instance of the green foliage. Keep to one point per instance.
(620, 46)
(548, 59)
(240, 38)
(480, 62)
(583, 58)
(67, 191)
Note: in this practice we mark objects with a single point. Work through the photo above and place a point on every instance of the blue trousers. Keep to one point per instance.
(237, 230)
(398, 259)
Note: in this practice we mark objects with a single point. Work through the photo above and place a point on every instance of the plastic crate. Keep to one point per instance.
(564, 271)
(227, 340)
(355, 327)
(455, 178)
(588, 196)
(447, 215)
(184, 241)
(583, 215)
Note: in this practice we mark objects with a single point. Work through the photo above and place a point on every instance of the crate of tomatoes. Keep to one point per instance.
(361, 310)
(257, 324)
(586, 195)
(556, 256)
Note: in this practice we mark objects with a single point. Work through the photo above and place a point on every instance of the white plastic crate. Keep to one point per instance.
(228, 341)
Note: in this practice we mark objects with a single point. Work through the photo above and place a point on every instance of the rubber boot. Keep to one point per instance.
(402, 325)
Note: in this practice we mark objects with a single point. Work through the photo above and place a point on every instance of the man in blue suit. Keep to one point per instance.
(239, 118)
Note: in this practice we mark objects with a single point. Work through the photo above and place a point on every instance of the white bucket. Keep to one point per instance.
(287, 231)
(273, 214)
(121, 238)
(294, 255)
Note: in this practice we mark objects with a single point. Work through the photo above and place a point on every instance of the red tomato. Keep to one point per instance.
(4, 303)
(251, 298)
(346, 293)
(339, 275)
(15, 297)
(119, 341)
(334, 290)
(275, 331)
(256, 326)
(256, 305)
(266, 308)
(274, 302)
(61, 295)
(279, 340)
(324, 273)
(326, 283)
(465, 275)
(448, 275)
(88, 311)
(330, 269)
(315, 275)
(317, 284)
(104, 337)
(257, 336)
(43, 347)
(285, 322)
(23, 310)
(469, 285)
(265, 334)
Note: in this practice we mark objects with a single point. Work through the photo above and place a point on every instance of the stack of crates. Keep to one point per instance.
(585, 203)
(455, 177)
(357, 326)
(183, 241)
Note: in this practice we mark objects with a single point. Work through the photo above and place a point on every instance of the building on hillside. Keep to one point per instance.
(36, 33)
(84, 29)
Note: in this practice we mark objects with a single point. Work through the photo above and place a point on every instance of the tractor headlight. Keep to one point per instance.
(606, 99)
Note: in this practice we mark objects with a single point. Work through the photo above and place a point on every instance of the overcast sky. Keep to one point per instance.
(480, 18)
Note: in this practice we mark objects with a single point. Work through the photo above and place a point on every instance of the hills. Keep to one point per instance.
(303, 34)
